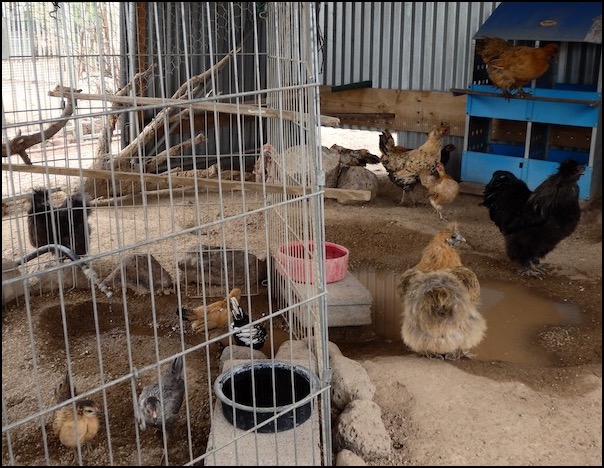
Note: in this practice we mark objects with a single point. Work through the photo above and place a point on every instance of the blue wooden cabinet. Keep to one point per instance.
(561, 119)
(529, 137)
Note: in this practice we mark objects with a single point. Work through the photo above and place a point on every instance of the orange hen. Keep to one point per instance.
(214, 315)
(511, 67)
(442, 188)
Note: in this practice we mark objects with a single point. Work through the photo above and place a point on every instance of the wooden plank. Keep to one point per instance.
(416, 111)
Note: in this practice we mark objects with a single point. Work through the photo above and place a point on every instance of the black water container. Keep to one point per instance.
(253, 393)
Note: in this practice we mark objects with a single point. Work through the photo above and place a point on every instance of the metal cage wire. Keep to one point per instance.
(193, 129)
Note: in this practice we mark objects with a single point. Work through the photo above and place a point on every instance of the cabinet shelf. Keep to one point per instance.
(530, 97)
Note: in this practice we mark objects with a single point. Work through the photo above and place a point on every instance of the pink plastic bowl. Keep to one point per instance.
(293, 263)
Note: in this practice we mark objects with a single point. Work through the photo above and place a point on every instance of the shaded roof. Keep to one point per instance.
(547, 21)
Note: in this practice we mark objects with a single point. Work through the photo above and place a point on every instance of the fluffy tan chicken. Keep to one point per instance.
(511, 67)
(440, 298)
(403, 165)
(442, 188)
(81, 429)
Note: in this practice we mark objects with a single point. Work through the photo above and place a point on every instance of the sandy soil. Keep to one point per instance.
(467, 412)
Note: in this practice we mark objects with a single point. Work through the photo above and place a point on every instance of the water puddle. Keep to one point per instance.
(515, 317)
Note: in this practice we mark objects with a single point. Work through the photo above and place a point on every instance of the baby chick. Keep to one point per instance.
(81, 429)
(151, 412)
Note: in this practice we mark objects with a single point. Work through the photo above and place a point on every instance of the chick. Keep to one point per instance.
(151, 411)
(81, 429)
(246, 334)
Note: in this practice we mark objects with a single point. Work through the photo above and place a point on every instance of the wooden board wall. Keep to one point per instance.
(394, 109)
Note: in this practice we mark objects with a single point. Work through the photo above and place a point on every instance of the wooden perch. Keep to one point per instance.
(176, 150)
(138, 83)
(181, 181)
(21, 143)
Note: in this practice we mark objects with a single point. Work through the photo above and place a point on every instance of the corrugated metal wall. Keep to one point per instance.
(422, 46)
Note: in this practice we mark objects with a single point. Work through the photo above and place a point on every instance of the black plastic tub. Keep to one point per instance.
(251, 394)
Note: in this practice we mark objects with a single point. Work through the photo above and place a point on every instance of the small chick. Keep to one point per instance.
(81, 430)
(151, 412)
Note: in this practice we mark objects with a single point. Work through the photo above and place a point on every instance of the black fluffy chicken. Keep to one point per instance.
(68, 222)
(533, 223)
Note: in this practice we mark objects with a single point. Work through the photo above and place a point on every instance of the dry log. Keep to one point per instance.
(103, 150)
(21, 143)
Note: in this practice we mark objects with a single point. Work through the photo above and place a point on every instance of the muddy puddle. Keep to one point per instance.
(515, 318)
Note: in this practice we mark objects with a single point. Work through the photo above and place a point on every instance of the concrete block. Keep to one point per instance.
(230, 446)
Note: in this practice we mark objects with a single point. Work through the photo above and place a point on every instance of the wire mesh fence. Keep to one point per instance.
(156, 158)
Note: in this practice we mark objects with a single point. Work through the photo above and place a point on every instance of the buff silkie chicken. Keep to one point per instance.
(440, 298)
(404, 165)
(512, 67)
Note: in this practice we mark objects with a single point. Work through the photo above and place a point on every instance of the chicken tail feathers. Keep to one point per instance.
(438, 295)
(386, 142)
(177, 366)
(439, 316)
(63, 390)
(236, 310)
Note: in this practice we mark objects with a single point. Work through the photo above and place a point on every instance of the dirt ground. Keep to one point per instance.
(467, 412)
(479, 412)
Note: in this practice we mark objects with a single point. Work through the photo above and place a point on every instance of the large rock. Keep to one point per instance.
(331, 167)
(361, 430)
(349, 381)
(212, 261)
(347, 458)
(138, 277)
(357, 178)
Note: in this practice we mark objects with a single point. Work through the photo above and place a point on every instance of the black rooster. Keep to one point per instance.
(67, 222)
(533, 223)
(246, 335)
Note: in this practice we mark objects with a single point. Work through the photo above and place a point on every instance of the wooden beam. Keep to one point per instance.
(241, 109)
(416, 111)
(182, 181)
